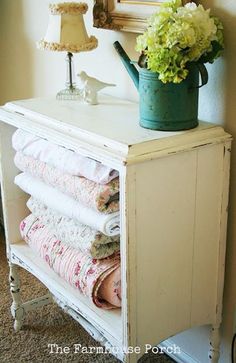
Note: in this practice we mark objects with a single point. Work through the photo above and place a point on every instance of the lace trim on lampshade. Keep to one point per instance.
(68, 8)
(92, 43)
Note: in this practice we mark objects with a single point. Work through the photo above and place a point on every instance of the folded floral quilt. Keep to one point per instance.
(64, 159)
(108, 224)
(78, 269)
(73, 233)
(101, 197)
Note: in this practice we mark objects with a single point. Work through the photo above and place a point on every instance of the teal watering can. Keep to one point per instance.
(170, 106)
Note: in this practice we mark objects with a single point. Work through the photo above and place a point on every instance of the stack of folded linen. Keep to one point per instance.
(74, 223)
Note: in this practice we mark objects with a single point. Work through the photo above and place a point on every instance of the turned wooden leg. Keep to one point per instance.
(16, 307)
(214, 352)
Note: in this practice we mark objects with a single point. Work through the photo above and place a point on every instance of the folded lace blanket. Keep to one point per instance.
(108, 224)
(73, 233)
(101, 197)
(64, 159)
(96, 279)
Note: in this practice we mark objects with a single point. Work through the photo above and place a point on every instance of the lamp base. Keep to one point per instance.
(71, 92)
(74, 94)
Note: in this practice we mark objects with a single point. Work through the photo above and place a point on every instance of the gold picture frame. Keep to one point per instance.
(125, 15)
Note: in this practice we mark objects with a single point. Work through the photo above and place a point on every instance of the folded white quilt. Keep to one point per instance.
(108, 224)
(59, 157)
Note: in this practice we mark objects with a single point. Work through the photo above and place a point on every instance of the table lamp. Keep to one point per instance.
(66, 32)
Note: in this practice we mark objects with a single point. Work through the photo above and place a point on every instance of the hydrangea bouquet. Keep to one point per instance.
(177, 35)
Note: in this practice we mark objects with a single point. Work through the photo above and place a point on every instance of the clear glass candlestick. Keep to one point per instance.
(71, 92)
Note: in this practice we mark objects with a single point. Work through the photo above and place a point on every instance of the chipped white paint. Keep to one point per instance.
(17, 310)
(214, 352)
(174, 195)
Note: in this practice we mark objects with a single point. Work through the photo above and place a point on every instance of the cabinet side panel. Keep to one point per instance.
(210, 177)
(165, 205)
(129, 260)
(13, 199)
(223, 228)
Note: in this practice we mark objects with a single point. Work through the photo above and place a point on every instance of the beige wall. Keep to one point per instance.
(27, 72)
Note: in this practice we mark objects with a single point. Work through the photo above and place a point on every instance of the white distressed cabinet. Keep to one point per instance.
(174, 196)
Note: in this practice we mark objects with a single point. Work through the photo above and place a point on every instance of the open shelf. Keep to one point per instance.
(107, 321)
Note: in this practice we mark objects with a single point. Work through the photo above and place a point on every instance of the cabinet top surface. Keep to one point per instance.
(114, 122)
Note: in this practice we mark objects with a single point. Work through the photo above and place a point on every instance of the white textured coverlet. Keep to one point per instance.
(64, 159)
(73, 233)
(108, 224)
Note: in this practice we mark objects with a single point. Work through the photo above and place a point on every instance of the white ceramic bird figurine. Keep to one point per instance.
(91, 86)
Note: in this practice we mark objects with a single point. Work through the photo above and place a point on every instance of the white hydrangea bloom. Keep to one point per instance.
(177, 35)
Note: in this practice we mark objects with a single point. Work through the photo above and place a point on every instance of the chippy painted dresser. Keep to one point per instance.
(173, 215)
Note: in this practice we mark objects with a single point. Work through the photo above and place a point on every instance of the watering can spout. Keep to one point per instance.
(133, 72)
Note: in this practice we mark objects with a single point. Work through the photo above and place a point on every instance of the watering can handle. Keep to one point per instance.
(204, 74)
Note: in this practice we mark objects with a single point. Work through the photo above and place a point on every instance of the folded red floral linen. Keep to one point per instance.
(100, 197)
(99, 280)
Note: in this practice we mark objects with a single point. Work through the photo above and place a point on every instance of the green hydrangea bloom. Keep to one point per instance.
(177, 35)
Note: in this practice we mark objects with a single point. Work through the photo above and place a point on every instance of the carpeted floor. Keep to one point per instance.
(44, 326)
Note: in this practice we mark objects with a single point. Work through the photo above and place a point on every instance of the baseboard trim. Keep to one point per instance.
(183, 357)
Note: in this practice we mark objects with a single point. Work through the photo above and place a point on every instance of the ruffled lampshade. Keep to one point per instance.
(66, 32)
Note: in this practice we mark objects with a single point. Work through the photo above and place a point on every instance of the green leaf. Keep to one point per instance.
(213, 54)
